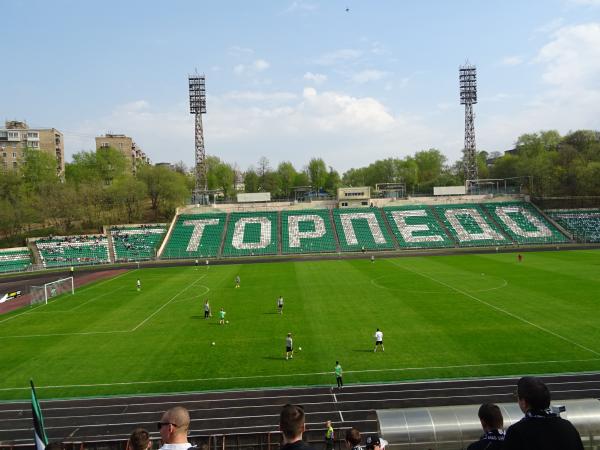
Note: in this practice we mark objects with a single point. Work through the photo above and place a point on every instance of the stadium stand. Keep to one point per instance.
(583, 223)
(469, 225)
(359, 228)
(251, 234)
(136, 242)
(416, 227)
(63, 251)
(14, 259)
(307, 231)
(524, 224)
(195, 236)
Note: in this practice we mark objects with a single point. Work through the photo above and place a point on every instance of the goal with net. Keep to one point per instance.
(43, 294)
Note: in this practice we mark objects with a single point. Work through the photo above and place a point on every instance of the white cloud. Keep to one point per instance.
(257, 96)
(568, 96)
(317, 78)
(237, 50)
(301, 6)
(259, 65)
(346, 130)
(572, 58)
(511, 61)
(366, 76)
(585, 2)
(339, 56)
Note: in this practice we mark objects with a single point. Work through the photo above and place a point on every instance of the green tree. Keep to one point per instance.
(166, 189)
(251, 181)
(129, 194)
(317, 172)
(287, 176)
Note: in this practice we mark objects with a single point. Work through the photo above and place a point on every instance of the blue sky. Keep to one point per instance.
(292, 80)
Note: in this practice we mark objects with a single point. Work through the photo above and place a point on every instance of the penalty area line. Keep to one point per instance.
(288, 375)
(504, 311)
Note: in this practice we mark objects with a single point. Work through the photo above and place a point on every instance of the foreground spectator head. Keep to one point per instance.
(490, 417)
(174, 425)
(139, 440)
(532, 394)
(352, 438)
(291, 423)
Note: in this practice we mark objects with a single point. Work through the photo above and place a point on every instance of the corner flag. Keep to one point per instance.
(39, 434)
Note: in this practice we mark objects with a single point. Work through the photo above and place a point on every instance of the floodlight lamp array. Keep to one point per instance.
(468, 84)
(197, 94)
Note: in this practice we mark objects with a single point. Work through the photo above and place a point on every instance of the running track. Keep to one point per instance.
(253, 411)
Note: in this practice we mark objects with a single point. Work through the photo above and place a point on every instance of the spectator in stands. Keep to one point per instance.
(353, 439)
(173, 426)
(55, 446)
(291, 425)
(329, 436)
(139, 440)
(540, 429)
(492, 422)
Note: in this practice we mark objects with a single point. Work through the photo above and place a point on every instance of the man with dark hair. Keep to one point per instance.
(173, 426)
(139, 439)
(291, 425)
(492, 422)
(353, 439)
(540, 429)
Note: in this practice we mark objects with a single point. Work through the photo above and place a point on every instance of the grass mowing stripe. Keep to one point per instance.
(172, 298)
(460, 291)
(328, 373)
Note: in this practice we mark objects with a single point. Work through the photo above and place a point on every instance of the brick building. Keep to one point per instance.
(16, 136)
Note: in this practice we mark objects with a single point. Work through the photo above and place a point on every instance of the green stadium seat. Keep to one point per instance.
(307, 231)
(469, 225)
(79, 250)
(359, 228)
(195, 236)
(416, 227)
(584, 224)
(14, 259)
(524, 224)
(136, 242)
(251, 234)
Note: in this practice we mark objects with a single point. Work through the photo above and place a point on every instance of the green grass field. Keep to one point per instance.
(442, 317)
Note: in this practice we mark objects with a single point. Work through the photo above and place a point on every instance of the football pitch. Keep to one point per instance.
(442, 317)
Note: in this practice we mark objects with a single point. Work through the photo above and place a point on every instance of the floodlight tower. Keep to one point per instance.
(198, 107)
(467, 75)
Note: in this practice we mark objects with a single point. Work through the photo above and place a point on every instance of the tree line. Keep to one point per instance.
(99, 187)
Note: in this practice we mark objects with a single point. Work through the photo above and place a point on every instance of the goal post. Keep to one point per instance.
(43, 294)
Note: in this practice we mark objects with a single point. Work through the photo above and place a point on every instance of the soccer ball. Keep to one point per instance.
(227, 321)
(300, 348)
(213, 343)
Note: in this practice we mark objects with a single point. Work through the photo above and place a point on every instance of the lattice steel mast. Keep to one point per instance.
(468, 97)
(198, 107)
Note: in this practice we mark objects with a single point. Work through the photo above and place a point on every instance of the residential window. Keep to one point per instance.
(14, 164)
(13, 135)
(4, 154)
(14, 154)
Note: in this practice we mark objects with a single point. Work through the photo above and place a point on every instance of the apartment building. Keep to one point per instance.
(127, 146)
(16, 136)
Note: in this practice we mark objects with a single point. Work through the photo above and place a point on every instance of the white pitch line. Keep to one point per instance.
(80, 290)
(250, 377)
(88, 333)
(164, 305)
(95, 298)
(508, 313)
